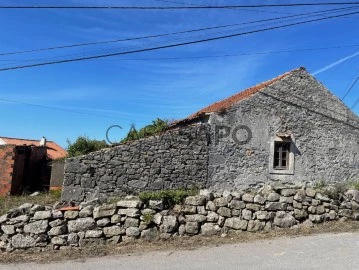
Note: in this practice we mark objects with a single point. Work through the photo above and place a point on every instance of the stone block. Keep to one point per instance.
(71, 214)
(8, 229)
(133, 232)
(236, 224)
(212, 216)
(57, 230)
(81, 224)
(209, 229)
(105, 210)
(224, 212)
(259, 199)
(131, 222)
(273, 197)
(196, 218)
(255, 226)
(191, 227)
(288, 192)
(247, 197)
(42, 215)
(102, 222)
(36, 227)
(22, 241)
(113, 230)
(274, 206)
(169, 224)
(236, 204)
(219, 202)
(196, 200)
(130, 204)
(150, 234)
(284, 221)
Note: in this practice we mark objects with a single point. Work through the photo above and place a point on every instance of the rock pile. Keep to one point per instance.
(208, 214)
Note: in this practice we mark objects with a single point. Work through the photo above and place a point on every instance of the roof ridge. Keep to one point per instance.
(4, 137)
(229, 101)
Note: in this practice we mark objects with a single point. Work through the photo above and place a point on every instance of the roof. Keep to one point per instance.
(54, 151)
(230, 101)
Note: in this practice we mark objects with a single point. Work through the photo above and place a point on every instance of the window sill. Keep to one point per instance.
(288, 172)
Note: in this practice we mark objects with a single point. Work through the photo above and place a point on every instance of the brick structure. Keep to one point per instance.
(25, 164)
(22, 168)
(7, 159)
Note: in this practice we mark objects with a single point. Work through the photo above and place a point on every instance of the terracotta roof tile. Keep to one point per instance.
(228, 102)
(54, 151)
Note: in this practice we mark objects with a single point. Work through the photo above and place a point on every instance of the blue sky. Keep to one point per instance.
(92, 95)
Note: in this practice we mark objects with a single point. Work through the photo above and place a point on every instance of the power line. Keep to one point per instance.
(238, 9)
(211, 56)
(172, 33)
(54, 108)
(182, 7)
(310, 14)
(174, 45)
(351, 87)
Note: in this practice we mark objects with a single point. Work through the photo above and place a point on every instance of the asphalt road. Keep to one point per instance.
(325, 251)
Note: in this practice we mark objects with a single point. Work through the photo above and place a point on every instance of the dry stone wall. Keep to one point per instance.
(207, 214)
(175, 159)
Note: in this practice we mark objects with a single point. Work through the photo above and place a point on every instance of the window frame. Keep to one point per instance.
(290, 159)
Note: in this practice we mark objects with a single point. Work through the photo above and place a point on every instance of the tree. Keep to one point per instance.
(157, 126)
(83, 145)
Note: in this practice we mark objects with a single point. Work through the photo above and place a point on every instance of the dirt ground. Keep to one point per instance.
(184, 243)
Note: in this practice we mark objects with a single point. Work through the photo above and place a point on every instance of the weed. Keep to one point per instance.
(336, 191)
(354, 184)
(56, 194)
(147, 218)
(319, 184)
(169, 197)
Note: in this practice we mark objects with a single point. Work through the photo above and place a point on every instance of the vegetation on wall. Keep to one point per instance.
(83, 145)
(157, 126)
(169, 197)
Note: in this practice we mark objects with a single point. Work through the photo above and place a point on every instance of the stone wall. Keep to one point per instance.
(175, 159)
(207, 214)
(325, 134)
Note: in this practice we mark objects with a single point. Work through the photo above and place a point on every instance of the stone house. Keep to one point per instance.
(26, 164)
(287, 130)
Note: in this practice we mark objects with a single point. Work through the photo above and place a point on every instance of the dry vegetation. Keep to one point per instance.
(179, 243)
(44, 198)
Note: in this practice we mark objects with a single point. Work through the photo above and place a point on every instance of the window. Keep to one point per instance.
(281, 155)
(281, 159)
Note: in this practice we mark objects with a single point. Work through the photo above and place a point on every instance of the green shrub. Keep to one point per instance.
(168, 196)
(83, 145)
(155, 128)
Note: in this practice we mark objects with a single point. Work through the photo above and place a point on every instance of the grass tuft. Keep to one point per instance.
(354, 184)
(147, 218)
(319, 184)
(168, 196)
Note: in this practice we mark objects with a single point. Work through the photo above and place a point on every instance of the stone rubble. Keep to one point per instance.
(207, 214)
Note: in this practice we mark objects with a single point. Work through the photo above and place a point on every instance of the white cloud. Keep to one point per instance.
(325, 68)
